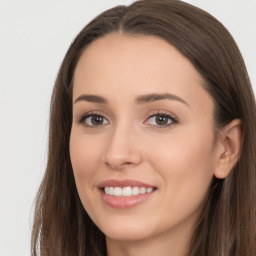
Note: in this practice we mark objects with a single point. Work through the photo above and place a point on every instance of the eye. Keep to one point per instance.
(93, 120)
(161, 120)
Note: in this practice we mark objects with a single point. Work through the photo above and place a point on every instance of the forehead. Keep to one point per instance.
(130, 65)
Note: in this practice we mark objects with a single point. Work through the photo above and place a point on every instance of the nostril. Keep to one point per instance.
(121, 158)
(118, 165)
(127, 163)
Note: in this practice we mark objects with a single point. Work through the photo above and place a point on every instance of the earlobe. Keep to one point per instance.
(222, 169)
(231, 141)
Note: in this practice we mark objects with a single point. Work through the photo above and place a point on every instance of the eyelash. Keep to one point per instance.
(87, 115)
(173, 119)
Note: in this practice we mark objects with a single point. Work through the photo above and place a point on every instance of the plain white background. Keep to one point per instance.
(34, 36)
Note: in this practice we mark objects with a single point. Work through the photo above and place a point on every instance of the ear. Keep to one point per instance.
(230, 140)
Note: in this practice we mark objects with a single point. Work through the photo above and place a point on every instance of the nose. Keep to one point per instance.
(122, 150)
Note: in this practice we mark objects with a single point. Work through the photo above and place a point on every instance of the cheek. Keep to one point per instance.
(184, 152)
(186, 165)
(84, 153)
(85, 158)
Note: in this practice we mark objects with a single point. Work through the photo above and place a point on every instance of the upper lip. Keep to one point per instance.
(123, 183)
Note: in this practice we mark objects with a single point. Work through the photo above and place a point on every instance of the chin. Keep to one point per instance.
(126, 235)
(125, 230)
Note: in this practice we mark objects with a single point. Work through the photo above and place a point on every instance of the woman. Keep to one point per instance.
(152, 139)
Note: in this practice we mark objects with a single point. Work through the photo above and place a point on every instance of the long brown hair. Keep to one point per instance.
(227, 225)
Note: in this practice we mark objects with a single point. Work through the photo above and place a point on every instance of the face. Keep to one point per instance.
(142, 143)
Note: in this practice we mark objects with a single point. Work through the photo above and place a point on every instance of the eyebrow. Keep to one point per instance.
(155, 97)
(142, 99)
(91, 98)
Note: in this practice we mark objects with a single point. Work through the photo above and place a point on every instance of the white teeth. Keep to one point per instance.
(126, 191)
(117, 191)
(149, 190)
(143, 190)
(107, 190)
(111, 191)
(135, 191)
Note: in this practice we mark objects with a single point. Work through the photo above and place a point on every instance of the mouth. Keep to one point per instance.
(125, 193)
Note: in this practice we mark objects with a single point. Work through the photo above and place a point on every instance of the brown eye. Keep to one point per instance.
(97, 120)
(94, 120)
(161, 120)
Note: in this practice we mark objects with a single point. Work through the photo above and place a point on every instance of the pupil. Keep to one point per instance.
(161, 120)
(97, 120)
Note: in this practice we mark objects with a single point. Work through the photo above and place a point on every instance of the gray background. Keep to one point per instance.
(34, 36)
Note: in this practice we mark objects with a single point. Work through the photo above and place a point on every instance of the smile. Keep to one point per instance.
(127, 191)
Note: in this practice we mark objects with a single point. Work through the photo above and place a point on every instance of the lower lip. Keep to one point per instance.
(125, 201)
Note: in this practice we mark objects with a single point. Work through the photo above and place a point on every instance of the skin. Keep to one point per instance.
(180, 159)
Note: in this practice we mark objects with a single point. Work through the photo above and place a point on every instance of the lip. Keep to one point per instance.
(123, 183)
(124, 202)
